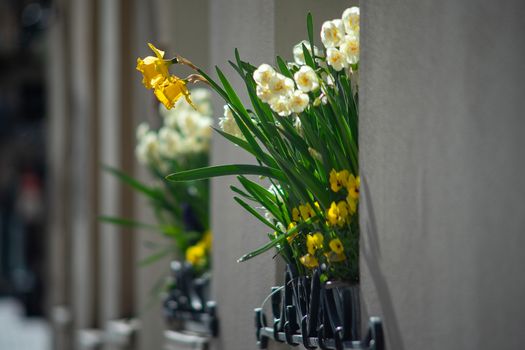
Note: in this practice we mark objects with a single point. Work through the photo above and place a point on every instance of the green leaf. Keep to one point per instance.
(263, 157)
(128, 223)
(310, 29)
(284, 68)
(262, 196)
(242, 193)
(232, 96)
(214, 85)
(276, 241)
(137, 185)
(308, 57)
(225, 170)
(150, 259)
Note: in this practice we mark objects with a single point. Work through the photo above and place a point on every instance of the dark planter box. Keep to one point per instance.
(317, 315)
(188, 306)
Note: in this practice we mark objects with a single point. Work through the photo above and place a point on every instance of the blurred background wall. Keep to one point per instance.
(23, 171)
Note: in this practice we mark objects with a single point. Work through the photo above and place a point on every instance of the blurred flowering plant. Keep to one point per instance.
(181, 209)
(301, 128)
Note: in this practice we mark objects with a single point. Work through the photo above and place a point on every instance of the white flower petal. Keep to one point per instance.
(332, 33)
(351, 20)
(306, 79)
(264, 74)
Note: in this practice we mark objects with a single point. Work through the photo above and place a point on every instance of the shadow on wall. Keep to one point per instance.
(371, 255)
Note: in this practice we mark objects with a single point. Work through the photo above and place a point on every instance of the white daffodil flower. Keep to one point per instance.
(264, 74)
(200, 95)
(169, 142)
(306, 79)
(336, 59)
(299, 101)
(147, 150)
(281, 106)
(351, 20)
(281, 85)
(332, 33)
(142, 130)
(350, 48)
(228, 124)
(298, 53)
(264, 94)
(277, 192)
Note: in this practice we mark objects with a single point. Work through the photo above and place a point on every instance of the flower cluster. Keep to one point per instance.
(340, 212)
(338, 215)
(346, 186)
(280, 92)
(181, 142)
(340, 37)
(198, 254)
(285, 95)
(185, 131)
(167, 87)
(302, 128)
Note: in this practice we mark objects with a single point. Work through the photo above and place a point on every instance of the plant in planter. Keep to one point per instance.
(181, 209)
(302, 130)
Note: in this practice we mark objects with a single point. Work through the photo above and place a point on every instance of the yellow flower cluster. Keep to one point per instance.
(340, 213)
(304, 212)
(196, 254)
(168, 88)
(314, 243)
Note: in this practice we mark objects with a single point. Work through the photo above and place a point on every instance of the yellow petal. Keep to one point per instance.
(195, 254)
(170, 91)
(336, 246)
(158, 53)
(148, 68)
(319, 239)
(309, 261)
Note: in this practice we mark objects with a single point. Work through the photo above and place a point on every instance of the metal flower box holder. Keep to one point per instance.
(187, 306)
(317, 315)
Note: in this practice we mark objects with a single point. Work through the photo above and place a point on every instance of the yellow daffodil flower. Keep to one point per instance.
(306, 211)
(343, 177)
(335, 185)
(170, 90)
(338, 213)
(332, 213)
(153, 68)
(314, 242)
(354, 182)
(352, 204)
(195, 254)
(340, 179)
(309, 261)
(336, 246)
